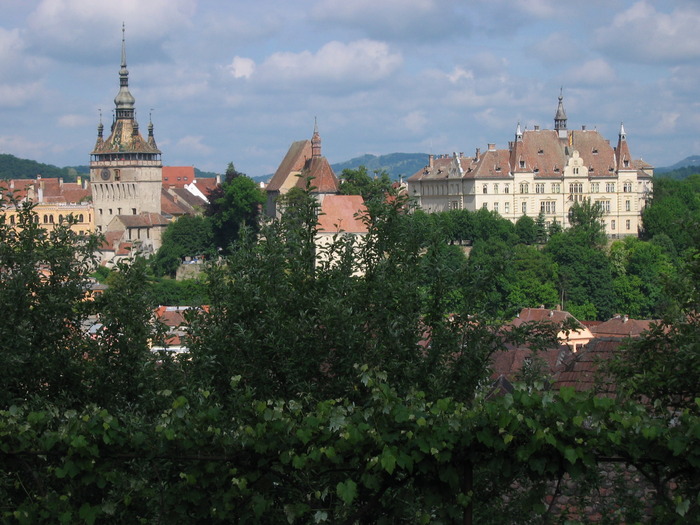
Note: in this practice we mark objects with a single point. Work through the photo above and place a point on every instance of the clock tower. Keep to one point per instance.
(126, 170)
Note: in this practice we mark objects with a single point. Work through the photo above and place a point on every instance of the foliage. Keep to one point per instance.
(336, 384)
(585, 275)
(189, 236)
(586, 219)
(526, 230)
(187, 292)
(235, 203)
(358, 182)
(664, 366)
(674, 211)
(43, 281)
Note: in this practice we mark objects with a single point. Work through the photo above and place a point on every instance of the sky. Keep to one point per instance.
(233, 81)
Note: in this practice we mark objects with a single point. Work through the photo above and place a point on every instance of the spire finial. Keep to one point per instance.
(123, 44)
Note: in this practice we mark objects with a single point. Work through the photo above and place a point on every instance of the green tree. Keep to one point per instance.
(526, 230)
(359, 182)
(189, 236)
(586, 219)
(235, 203)
(43, 284)
(585, 276)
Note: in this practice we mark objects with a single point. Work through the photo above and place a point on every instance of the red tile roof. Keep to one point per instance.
(583, 370)
(342, 213)
(539, 151)
(621, 326)
(178, 176)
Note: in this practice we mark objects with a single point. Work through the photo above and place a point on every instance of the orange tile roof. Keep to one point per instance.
(178, 176)
(342, 213)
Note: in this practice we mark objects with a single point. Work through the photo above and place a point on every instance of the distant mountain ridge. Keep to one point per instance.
(397, 165)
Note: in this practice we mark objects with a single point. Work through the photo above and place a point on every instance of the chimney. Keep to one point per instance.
(583, 128)
(478, 152)
(537, 127)
(492, 147)
(431, 158)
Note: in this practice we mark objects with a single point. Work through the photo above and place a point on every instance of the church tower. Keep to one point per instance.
(126, 170)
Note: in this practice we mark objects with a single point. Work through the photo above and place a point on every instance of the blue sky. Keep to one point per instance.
(233, 81)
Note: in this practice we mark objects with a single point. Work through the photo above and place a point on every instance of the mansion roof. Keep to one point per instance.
(541, 152)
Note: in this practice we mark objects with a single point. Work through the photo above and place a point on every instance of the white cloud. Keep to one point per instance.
(81, 29)
(16, 95)
(194, 144)
(594, 72)
(22, 147)
(241, 67)
(415, 121)
(75, 121)
(359, 62)
(645, 34)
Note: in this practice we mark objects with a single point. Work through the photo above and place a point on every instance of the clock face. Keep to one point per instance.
(105, 174)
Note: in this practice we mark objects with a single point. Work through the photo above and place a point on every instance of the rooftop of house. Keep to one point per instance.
(342, 213)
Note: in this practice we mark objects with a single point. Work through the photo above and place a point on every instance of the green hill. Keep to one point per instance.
(397, 165)
(12, 167)
(680, 170)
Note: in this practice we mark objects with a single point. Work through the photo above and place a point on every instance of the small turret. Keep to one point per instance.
(316, 141)
(560, 117)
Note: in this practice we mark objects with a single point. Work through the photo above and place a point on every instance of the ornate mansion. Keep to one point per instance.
(542, 171)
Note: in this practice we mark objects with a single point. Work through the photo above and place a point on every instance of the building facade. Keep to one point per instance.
(126, 172)
(54, 202)
(542, 171)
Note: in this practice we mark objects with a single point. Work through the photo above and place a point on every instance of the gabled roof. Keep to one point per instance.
(172, 204)
(583, 370)
(142, 220)
(292, 163)
(177, 176)
(320, 173)
(342, 213)
(528, 315)
(621, 326)
(510, 362)
(538, 151)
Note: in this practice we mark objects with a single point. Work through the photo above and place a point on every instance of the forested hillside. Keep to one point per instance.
(12, 167)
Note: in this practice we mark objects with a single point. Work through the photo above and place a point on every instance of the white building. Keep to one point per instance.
(541, 171)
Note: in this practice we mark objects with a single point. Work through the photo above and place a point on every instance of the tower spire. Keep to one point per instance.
(124, 101)
(560, 116)
(316, 141)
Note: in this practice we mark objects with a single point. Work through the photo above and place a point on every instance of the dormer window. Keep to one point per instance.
(522, 163)
(595, 151)
(540, 151)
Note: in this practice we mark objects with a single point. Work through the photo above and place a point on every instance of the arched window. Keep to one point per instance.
(80, 218)
(51, 219)
(46, 219)
(12, 219)
(60, 218)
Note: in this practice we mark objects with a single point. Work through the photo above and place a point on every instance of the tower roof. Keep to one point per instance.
(125, 136)
(560, 116)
